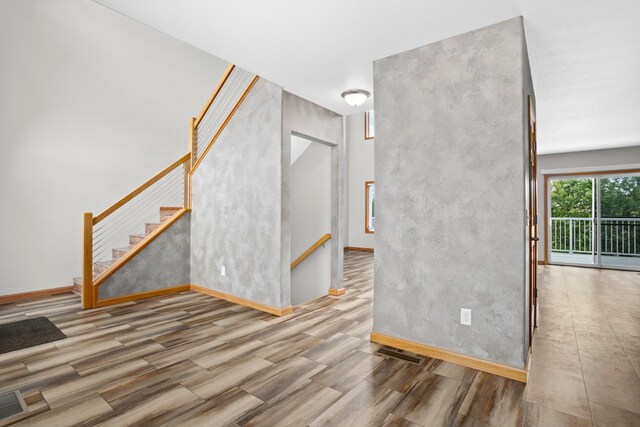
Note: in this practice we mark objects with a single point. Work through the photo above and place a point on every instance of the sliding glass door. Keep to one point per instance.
(620, 221)
(595, 221)
(573, 218)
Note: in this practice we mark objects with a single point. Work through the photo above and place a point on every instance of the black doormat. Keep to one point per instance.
(28, 333)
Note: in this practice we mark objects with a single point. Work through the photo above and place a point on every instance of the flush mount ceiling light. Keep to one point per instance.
(355, 97)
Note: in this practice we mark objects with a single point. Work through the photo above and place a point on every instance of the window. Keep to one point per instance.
(368, 125)
(369, 207)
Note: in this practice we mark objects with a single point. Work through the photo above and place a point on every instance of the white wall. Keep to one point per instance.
(310, 220)
(595, 160)
(92, 104)
(360, 170)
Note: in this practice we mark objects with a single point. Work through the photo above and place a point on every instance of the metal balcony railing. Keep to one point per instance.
(620, 236)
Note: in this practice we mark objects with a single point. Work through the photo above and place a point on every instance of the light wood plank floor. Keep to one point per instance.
(190, 359)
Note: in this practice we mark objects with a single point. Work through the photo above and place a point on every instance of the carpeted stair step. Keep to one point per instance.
(77, 285)
(101, 267)
(149, 227)
(119, 252)
(172, 209)
(167, 213)
(134, 239)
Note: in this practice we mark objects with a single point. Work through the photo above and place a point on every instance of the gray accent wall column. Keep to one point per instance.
(311, 120)
(236, 203)
(451, 223)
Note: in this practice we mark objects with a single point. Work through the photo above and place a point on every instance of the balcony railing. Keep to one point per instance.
(620, 236)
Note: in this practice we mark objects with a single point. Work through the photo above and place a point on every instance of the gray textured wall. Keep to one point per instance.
(310, 220)
(236, 203)
(162, 264)
(311, 120)
(450, 214)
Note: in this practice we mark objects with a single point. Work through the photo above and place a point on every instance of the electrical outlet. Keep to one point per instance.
(223, 271)
(465, 316)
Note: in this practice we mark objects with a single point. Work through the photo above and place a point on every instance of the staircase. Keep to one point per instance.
(166, 213)
(168, 192)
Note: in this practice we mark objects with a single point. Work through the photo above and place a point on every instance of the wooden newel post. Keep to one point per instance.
(87, 260)
(189, 164)
(187, 201)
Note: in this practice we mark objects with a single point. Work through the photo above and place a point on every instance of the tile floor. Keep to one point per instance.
(586, 354)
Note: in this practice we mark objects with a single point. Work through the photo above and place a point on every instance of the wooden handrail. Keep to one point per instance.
(309, 251)
(140, 189)
(224, 124)
(215, 93)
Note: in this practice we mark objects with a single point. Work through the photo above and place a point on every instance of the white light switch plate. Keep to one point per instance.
(465, 316)
(223, 271)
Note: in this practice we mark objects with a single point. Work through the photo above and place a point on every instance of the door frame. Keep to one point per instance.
(532, 243)
(547, 213)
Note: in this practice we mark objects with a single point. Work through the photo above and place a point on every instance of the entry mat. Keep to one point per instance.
(28, 333)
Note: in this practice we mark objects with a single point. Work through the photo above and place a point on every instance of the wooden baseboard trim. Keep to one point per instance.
(542, 262)
(5, 299)
(354, 248)
(242, 301)
(336, 292)
(450, 356)
(141, 295)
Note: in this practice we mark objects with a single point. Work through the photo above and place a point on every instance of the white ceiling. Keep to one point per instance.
(585, 54)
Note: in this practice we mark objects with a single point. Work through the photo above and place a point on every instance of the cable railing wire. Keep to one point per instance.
(147, 211)
(211, 123)
(120, 236)
(160, 185)
(133, 204)
(224, 98)
(221, 107)
(150, 203)
(231, 91)
(114, 230)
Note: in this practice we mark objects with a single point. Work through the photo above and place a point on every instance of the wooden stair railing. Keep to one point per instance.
(207, 127)
(309, 251)
(165, 186)
(232, 89)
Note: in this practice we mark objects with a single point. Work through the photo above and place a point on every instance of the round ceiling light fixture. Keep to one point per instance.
(355, 97)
